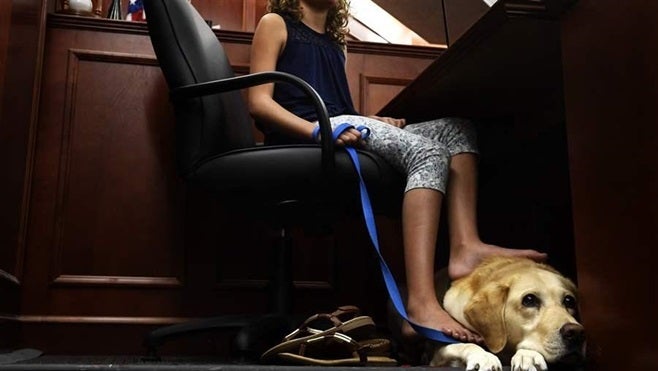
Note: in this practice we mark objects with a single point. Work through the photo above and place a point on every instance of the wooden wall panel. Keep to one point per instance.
(375, 79)
(107, 206)
(21, 32)
(233, 15)
(610, 97)
(117, 185)
(229, 14)
(5, 23)
(20, 55)
(375, 91)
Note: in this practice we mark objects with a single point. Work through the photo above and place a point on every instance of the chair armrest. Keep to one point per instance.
(245, 81)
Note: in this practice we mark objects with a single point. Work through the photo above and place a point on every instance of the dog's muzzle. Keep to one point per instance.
(573, 337)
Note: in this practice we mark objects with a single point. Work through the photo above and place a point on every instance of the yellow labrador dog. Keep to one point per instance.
(525, 311)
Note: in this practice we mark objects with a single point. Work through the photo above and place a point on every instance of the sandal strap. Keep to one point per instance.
(305, 327)
(356, 347)
(347, 309)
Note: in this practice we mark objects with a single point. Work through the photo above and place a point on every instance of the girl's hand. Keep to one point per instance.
(351, 138)
(398, 123)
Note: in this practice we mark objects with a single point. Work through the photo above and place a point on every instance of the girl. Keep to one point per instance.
(307, 38)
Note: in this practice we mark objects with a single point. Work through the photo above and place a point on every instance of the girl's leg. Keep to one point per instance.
(426, 164)
(420, 220)
(466, 248)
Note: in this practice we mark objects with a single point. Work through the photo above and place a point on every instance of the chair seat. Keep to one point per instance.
(295, 172)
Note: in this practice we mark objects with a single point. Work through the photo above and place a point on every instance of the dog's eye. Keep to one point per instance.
(569, 302)
(530, 300)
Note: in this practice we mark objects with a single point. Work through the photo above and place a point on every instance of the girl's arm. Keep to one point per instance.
(268, 43)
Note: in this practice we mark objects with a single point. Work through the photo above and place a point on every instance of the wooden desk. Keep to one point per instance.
(505, 64)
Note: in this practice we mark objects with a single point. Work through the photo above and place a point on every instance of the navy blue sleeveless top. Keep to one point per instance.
(318, 60)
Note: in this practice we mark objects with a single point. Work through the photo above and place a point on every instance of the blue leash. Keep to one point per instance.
(391, 285)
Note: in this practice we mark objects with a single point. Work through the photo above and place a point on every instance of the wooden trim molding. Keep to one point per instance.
(56, 20)
(525, 7)
(9, 297)
(236, 37)
(107, 281)
(535, 8)
(263, 284)
(7, 277)
(102, 320)
(395, 50)
(110, 57)
(4, 317)
(241, 69)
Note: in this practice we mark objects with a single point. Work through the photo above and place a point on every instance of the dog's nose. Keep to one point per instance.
(573, 334)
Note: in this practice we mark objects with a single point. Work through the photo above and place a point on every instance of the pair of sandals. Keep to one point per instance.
(341, 338)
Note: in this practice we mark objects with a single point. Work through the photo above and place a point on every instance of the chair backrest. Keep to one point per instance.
(189, 52)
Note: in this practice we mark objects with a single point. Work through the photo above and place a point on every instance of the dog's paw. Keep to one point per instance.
(528, 360)
(483, 361)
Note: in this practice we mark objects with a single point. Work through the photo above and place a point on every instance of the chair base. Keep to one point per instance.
(256, 334)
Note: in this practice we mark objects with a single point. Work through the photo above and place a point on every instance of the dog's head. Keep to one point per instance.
(520, 304)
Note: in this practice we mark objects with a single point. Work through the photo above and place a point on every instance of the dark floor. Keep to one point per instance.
(33, 360)
(119, 363)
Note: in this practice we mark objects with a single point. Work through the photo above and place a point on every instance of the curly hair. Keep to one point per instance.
(337, 17)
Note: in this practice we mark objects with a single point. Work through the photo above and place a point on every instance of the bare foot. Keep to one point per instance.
(440, 320)
(464, 258)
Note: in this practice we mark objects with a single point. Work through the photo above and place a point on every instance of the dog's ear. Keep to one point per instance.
(485, 312)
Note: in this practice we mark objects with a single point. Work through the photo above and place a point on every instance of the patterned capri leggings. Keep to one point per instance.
(421, 150)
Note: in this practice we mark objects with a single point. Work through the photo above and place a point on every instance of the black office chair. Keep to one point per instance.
(216, 151)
